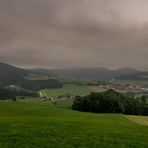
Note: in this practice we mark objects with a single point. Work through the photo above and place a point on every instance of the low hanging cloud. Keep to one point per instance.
(74, 33)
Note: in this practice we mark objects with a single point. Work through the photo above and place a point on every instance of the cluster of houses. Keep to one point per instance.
(65, 97)
(138, 90)
(118, 86)
(46, 98)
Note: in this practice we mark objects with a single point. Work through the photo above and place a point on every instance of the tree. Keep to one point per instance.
(109, 102)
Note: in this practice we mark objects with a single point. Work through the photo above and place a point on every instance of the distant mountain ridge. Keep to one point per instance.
(14, 74)
(139, 76)
(91, 74)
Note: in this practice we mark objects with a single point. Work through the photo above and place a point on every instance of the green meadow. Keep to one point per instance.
(70, 88)
(32, 123)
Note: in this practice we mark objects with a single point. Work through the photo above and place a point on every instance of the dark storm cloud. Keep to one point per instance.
(74, 33)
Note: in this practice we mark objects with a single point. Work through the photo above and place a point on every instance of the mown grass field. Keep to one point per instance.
(34, 124)
(138, 119)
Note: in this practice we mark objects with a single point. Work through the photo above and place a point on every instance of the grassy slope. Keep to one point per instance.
(39, 124)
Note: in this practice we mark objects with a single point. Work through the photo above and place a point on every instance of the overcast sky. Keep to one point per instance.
(74, 33)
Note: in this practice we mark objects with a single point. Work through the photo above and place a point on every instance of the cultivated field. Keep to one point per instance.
(32, 123)
(138, 119)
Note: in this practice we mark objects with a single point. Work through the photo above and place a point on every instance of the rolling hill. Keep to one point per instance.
(139, 76)
(6, 69)
(11, 75)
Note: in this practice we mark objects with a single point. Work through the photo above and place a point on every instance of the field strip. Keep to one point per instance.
(143, 120)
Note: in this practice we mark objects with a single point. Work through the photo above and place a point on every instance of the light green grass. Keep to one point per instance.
(36, 124)
(65, 103)
(71, 89)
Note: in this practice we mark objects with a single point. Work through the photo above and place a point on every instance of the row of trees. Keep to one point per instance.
(37, 85)
(9, 93)
(110, 102)
(6, 94)
(31, 84)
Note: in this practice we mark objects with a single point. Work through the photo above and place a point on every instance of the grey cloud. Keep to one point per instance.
(74, 33)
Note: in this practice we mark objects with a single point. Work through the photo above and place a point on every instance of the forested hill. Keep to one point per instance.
(139, 76)
(6, 69)
(11, 75)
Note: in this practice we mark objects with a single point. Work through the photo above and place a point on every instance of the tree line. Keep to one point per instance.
(37, 85)
(12, 93)
(34, 85)
(110, 102)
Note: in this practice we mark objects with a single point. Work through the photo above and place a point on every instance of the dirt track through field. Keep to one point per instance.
(143, 120)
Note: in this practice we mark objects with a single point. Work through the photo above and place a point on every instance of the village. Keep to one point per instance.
(135, 90)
